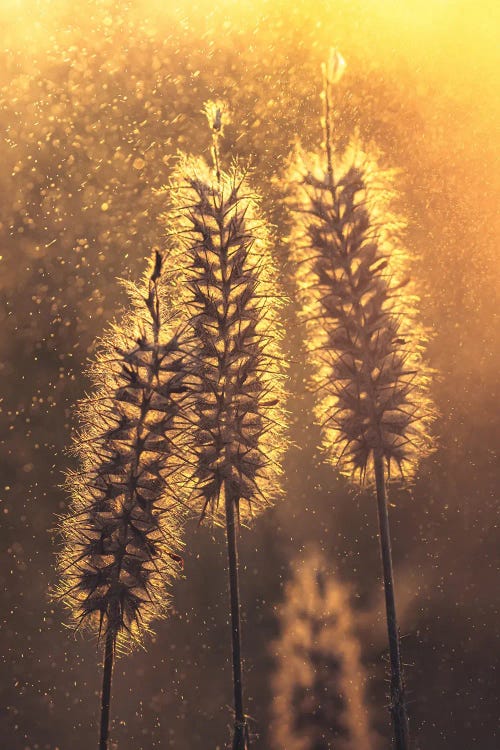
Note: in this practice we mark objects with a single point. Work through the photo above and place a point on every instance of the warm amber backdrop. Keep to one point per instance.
(93, 102)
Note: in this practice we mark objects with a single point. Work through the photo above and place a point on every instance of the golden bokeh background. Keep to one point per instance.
(95, 100)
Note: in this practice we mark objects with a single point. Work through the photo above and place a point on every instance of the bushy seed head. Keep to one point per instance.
(319, 682)
(122, 532)
(359, 310)
(230, 294)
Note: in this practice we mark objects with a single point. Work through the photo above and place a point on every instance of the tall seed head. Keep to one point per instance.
(230, 293)
(122, 532)
(359, 310)
(319, 698)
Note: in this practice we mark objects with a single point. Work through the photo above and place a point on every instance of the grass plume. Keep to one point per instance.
(360, 313)
(363, 334)
(223, 255)
(233, 306)
(121, 535)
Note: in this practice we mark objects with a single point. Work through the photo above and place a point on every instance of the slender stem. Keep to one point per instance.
(109, 653)
(240, 738)
(398, 704)
(216, 155)
(327, 91)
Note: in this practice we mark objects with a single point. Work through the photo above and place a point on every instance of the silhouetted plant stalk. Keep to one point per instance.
(229, 290)
(319, 684)
(362, 333)
(122, 532)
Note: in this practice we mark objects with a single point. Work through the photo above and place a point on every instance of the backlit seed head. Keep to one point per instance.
(360, 313)
(221, 247)
(122, 532)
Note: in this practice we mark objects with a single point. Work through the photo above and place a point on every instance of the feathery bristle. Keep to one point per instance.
(319, 698)
(360, 314)
(230, 293)
(122, 532)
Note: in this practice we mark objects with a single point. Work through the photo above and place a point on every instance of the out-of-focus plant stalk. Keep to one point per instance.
(319, 684)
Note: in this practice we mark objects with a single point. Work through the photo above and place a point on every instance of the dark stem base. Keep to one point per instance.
(398, 704)
(240, 736)
(109, 653)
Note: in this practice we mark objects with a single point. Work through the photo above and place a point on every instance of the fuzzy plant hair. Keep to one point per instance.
(122, 532)
(319, 701)
(360, 312)
(232, 300)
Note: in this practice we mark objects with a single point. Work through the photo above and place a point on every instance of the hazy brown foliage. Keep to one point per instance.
(319, 701)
